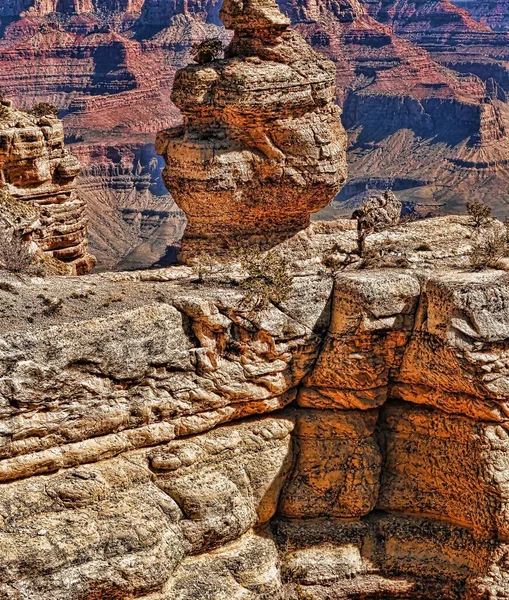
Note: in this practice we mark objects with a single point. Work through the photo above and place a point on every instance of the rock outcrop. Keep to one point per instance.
(262, 146)
(160, 440)
(37, 169)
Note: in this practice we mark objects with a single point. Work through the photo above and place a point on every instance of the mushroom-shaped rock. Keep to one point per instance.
(262, 146)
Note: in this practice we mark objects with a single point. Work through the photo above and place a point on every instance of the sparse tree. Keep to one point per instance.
(480, 213)
(379, 212)
(264, 274)
(207, 266)
(207, 51)
(488, 249)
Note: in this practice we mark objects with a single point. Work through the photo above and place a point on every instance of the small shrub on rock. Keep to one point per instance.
(263, 276)
(267, 278)
(480, 213)
(488, 249)
(208, 266)
(207, 51)
(44, 109)
(384, 255)
(15, 255)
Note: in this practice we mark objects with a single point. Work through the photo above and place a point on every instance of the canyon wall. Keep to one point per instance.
(160, 440)
(493, 14)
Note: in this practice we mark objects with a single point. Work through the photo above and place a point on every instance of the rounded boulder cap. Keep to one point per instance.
(252, 14)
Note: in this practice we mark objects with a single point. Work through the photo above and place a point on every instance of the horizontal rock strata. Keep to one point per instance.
(37, 169)
(159, 440)
(262, 146)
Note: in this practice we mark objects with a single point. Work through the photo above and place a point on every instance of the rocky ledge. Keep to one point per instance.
(161, 440)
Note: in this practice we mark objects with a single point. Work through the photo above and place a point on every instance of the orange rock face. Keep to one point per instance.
(36, 168)
(380, 473)
(262, 146)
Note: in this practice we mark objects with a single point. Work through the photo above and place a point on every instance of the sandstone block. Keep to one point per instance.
(372, 318)
(226, 481)
(445, 467)
(457, 357)
(337, 468)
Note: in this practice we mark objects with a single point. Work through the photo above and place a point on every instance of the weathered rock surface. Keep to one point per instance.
(148, 449)
(262, 146)
(37, 169)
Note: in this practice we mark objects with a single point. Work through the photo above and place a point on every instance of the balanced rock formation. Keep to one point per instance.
(36, 168)
(262, 146)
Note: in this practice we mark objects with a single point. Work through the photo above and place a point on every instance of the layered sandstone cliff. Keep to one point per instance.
(262, 146)
(37, 169)
(138, 458)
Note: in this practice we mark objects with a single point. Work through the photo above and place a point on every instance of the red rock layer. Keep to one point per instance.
(453, 38)
(494, 14)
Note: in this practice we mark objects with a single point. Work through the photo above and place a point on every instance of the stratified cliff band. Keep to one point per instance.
(37, 169)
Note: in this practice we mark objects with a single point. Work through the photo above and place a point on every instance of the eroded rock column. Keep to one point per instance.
(37, 169)
(262, 146)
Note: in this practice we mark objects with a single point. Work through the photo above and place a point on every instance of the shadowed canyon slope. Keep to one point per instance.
(422, 86)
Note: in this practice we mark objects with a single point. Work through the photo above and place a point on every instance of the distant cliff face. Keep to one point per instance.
(14, 8)
(408, 81)
(494, 14)
(451, 35)
(399, 101)
(92, 60)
